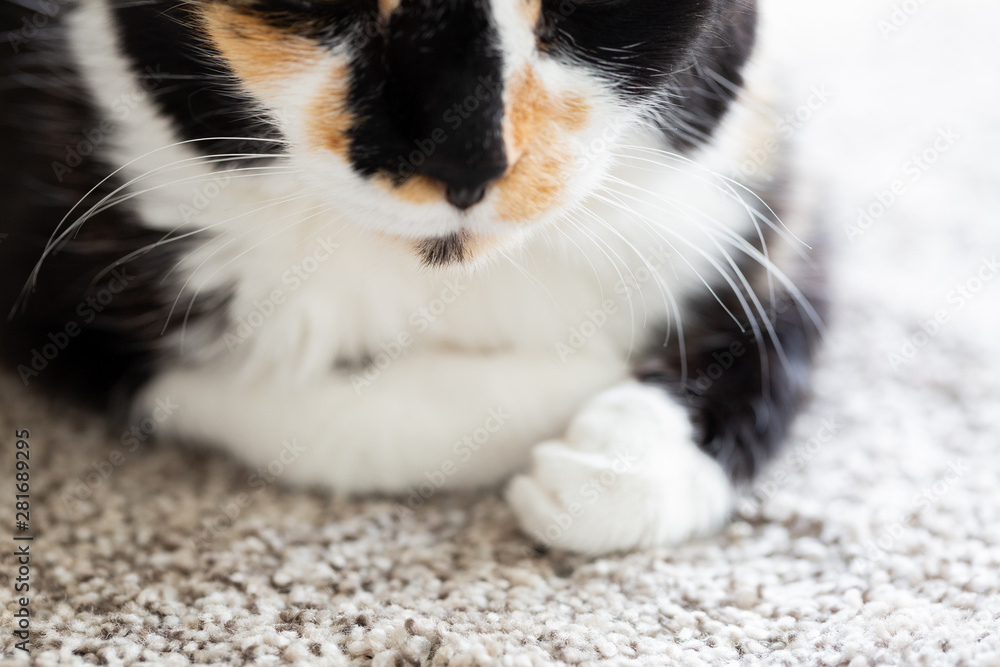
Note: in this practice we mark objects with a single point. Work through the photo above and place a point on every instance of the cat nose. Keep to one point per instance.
(465, 185)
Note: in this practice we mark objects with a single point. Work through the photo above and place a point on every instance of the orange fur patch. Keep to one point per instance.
(532, 11)
(262, 55)
(416, 189)
(265, 58)
(386, 7)
(329, 119)
(535, 125)
(533, 185)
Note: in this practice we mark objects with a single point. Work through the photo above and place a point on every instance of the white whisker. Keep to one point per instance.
(226, 244)
(187, 313)
(56, 237)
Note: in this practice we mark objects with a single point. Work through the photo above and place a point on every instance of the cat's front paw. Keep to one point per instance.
(628, 474)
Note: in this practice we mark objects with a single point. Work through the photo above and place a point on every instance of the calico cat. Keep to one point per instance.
(412, 245)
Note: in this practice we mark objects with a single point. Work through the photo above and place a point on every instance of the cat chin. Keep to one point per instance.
(463, 250)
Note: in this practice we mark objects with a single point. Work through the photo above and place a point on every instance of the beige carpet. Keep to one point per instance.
(876, 541)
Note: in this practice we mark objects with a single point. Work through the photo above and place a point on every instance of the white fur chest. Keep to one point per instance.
(310, 290)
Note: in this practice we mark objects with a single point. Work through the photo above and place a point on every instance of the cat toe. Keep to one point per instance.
(627, 476)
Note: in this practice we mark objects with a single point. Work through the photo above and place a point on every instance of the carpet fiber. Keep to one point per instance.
(876, 540)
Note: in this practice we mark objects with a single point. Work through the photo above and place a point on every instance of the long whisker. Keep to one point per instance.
(732, 188)
(56, 238)
(652, 270)
(535, 282)
(107, 204)
(167, 238)
(153, 152)
(727, 188)
(708, 257)
(671, 307)
(752, 320)
(681, 238)
(169, 167)
(691, 213)
(233, 239)
(597, 241)
(751, 294)
(747, 248)
(586, 256)
(733, 184)
(596, 218)
(325, 208)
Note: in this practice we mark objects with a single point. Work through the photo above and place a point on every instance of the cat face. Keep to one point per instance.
(459, 125)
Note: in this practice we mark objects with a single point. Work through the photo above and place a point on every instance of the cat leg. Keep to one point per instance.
(656, 460)
(455, 420)
(627, 473)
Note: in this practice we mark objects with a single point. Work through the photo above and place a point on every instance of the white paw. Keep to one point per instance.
(627, 475)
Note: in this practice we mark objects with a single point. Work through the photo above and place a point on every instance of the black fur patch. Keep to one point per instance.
(741, 394)
(167, 56)
(664, 55)
(704, 92)
(415, 76)
(427, 93)
(443, 251)
(90, 325)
